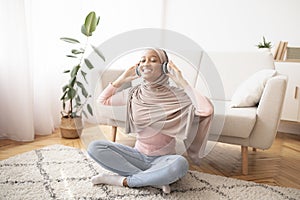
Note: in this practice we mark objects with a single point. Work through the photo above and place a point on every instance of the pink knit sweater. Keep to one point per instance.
(149, 141)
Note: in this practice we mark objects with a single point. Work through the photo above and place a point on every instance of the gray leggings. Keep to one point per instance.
(140, 169)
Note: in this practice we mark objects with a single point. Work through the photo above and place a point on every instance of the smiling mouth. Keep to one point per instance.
(146, 70)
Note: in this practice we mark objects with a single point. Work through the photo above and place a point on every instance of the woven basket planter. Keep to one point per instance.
(71, 127)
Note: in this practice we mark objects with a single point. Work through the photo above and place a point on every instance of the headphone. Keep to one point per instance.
(164, 65)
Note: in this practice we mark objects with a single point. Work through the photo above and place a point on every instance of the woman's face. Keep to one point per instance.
(150, 66)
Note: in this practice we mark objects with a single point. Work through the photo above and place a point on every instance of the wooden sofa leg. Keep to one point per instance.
(114, 133)
(244, 160)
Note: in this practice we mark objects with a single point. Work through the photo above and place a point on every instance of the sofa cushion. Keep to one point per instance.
(239, 122)
(249, 92)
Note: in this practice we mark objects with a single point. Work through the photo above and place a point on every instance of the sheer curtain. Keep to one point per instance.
(29, 88)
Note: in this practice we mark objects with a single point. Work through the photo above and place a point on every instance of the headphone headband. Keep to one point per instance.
(167, 58)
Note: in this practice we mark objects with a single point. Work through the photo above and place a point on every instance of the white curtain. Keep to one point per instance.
(29, 87)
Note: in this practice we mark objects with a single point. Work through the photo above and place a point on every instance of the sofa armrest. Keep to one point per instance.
(269, 113)
(110, 115)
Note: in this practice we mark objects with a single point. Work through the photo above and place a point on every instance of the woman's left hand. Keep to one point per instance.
(176, 75)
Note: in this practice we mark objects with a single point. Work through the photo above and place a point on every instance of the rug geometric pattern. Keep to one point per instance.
(62, 172)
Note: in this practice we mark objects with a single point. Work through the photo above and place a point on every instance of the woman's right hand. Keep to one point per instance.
(126, 76)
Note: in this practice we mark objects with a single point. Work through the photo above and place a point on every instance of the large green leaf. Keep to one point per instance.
(71, 56)
(84, 92)
(90, 109)
(70, 40)
(75, 51)
(71, 93)
(79, 84)
(65, 87)
(78, 100)
(88, 63)
(72, 82)
(75, 70)
(98, 52)
(84, 31)
(90, 23)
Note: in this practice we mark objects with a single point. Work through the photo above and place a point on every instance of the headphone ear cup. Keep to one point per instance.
(165, 67)
(137, 71)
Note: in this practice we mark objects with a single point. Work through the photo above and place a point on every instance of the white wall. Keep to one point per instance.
(216, 25)
(234, 25)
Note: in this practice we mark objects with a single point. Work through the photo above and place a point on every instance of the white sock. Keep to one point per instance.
(165, 188)
(108, 179)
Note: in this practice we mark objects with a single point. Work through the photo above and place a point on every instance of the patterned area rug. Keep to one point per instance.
(61, 172)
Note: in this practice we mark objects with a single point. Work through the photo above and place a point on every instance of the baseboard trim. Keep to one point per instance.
(289, 127)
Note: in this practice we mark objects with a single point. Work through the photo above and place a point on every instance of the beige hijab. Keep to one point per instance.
(159, 106)
(163, 108)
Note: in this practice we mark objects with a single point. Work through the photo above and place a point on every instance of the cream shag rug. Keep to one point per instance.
(61, 172)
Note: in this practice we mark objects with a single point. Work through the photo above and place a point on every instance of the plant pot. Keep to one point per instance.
(71, 127)
(264, 49)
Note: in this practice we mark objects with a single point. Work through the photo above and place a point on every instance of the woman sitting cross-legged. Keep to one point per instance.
(159, 114)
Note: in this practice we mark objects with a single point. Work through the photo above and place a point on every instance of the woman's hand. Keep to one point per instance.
(176, 75)
(126, 76)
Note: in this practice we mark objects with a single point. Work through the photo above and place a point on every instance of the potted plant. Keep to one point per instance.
(75, 96)
(264, 44)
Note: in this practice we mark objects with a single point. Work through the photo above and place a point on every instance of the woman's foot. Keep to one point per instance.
(108, 179)
(165, 188)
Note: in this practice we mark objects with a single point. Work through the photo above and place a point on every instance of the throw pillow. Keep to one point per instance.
(250, 91)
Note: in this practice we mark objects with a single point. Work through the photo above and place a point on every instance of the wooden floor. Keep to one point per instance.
(279, 165)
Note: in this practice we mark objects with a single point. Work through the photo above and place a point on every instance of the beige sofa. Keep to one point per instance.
(220, 74)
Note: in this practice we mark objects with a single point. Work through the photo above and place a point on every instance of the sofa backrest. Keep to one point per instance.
(217, 75)
(232, 68)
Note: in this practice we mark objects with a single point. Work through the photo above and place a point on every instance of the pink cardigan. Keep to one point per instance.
(148, 141)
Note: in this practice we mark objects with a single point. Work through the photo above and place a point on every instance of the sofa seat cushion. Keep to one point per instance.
(239, 122)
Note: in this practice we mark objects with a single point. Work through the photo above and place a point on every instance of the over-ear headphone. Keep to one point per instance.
(137, 70)
(164, 65)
